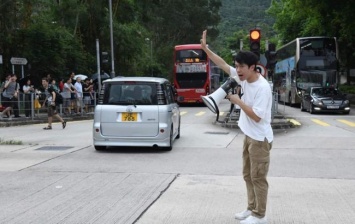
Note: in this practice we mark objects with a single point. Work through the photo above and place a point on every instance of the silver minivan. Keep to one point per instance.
(136, 111)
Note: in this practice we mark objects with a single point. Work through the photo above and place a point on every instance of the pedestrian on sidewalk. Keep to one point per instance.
(255, 122)
(10, 95)
(28, 91)
(51, 95)
(79, 96)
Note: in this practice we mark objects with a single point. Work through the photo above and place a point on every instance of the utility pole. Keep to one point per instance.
(151, 55)
(111, 36)
(98, 65)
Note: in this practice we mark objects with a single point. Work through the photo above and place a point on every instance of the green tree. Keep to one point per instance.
(59, 36)
(177, 22)
(313, 18)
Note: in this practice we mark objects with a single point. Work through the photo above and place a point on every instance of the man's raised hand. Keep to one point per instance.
(203, 39)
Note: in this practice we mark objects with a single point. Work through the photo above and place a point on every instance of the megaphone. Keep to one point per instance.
(212, 101)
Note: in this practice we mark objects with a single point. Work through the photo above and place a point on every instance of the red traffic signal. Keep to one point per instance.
(255, 35)
(254, 38)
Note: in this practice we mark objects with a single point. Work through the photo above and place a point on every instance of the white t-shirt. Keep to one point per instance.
(79, 89)
(66, 90)
(26, 88)
(258, 96)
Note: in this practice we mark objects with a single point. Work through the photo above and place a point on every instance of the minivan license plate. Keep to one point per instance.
(129, 116)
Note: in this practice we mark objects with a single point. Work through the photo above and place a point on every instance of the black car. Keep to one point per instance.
(324, 99)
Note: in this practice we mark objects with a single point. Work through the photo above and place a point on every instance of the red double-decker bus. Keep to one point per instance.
(195, 75)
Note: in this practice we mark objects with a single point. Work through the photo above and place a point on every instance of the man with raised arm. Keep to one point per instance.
(255, 123)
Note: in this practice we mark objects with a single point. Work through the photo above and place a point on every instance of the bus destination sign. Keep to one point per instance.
(191, 60)
(191, 68)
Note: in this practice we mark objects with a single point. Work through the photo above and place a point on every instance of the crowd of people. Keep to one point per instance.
(78, 95)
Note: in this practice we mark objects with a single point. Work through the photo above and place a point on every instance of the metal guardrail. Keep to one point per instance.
(27, 104)
(275, 105)
(232, 117)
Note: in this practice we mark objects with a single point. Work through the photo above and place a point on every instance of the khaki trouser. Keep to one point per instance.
(256, 159)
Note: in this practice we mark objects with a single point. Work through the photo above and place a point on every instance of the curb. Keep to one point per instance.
(41, 120)
(278, 122)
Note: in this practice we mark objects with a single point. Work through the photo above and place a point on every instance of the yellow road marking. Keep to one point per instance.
(351, 124)
(200, 113)
(320, 122)
(183, 112)
(294, 122)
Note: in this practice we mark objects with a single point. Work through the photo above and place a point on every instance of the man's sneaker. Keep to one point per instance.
(254, 220)
(243, 215)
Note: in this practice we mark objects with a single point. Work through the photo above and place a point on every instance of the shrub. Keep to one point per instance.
(349, 89)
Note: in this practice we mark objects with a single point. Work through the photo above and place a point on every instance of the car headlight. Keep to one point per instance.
(346, 102)
(317, 102)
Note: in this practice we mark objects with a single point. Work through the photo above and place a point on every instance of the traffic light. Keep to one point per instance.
(104, 57)
(254, 37)
(271, 56)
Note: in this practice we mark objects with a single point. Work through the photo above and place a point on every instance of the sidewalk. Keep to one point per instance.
(41, 118)
(196, 199)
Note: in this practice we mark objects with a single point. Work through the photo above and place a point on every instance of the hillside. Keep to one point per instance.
(243, 15)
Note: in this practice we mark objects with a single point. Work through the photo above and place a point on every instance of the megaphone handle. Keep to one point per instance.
(216, 106)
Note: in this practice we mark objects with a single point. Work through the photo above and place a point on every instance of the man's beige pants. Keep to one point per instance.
(256, 159)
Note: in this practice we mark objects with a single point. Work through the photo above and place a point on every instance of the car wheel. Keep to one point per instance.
(302, 107)
(289, 100)
(100, 148)
(346, 112)
(170, 147)
(178, 135)
(311, 111)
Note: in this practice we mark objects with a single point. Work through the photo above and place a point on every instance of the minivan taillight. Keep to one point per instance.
(160, 95)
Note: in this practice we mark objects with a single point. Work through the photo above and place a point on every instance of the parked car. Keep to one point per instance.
(136, 111)
(324, 99)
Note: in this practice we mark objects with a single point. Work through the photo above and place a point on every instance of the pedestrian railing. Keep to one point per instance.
(31, 105)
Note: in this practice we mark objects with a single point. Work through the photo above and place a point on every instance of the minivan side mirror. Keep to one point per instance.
(175, 95)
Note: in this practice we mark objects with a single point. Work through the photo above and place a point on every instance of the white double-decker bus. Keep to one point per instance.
(305, 62)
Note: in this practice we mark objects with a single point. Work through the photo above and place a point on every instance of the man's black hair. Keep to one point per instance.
(246, 57)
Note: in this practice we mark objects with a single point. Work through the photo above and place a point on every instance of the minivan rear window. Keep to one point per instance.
(128, 93)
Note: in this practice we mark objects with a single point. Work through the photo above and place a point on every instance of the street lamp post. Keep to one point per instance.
(151, 55)
(111, 36)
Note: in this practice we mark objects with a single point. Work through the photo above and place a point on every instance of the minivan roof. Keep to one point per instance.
(138, 79)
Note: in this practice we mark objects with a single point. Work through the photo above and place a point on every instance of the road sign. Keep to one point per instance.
(261, 69)
(18, 61)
